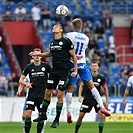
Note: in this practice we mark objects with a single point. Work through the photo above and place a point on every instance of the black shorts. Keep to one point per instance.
(88, 104)
(60, 78)
(33, 102)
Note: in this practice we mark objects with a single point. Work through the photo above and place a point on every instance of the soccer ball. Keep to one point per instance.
(62, 11)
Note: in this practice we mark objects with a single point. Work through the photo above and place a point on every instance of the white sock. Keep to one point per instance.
(23, 125)
(68, 101)
(97, 96)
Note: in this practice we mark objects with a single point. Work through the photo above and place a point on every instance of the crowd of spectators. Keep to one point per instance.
(98, 26)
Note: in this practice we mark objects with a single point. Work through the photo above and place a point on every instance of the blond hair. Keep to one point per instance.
(77, 24)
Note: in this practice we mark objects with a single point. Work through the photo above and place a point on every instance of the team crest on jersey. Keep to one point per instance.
(60, 43)
(43, 68)
(98, 80)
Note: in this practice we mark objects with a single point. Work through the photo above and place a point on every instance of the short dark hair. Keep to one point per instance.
(37, 49)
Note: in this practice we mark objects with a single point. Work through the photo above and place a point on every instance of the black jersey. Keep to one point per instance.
(98, 81)
(38, 77)
(60, 52)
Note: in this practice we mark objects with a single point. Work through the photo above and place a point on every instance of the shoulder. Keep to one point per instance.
(101, 76)
(130, 78)
(45, 64)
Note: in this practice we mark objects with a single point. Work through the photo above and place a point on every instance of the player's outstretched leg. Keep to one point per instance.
(58, 112)
(43, 116)
(68, 106)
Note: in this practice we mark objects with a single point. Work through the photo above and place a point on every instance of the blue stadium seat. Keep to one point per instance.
(3, 7)
(101, 45)
(13, 5)
(113, 7)
(122, 7)
(96, 16)
(95, 6)
(130, 7)
(108, 32)
(29, 6)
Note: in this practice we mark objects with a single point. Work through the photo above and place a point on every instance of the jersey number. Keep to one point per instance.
(79, 48)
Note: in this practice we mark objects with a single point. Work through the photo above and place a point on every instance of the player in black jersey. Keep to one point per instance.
(89, 101)
(61, 49)
(38, 75)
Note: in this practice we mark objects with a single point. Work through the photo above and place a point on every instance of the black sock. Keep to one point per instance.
(40, 126)
(58, 110)
(101, 125)
(78, 124)
(45, 105)
(27, 125)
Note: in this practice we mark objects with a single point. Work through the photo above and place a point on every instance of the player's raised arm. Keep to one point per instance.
(125, 96)
(80, 92)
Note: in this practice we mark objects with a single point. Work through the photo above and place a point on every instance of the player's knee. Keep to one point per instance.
(27, 115)
(48, 93)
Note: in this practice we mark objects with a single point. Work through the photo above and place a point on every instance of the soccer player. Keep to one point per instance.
(80, 41)
(129, 86)
(89, 101)
(38, 74)
(61, 49)
(20, 88)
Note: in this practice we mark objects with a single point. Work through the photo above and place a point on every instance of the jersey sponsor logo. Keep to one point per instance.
(30, 102)
(43, 69)
(81, 67)
(50, 81)
(61, 82)
(37, 74)
(56, 47)
(79, 57)
(96, 84)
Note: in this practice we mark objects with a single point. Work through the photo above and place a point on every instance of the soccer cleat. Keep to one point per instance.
(55, 123)
(40, 117)
(104, 111)
(69, 118)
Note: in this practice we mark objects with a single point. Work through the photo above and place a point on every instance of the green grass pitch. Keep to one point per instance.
(87, 127)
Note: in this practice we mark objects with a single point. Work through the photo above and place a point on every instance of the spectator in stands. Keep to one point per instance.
(105, 11)
(3, 84)
(111, 48)
(20, 12)
(122, 81)
(68, 27)
(99, 32)
(46, 18)
(8, 14)
(107, 21)
(15, 82)
(36, 14)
